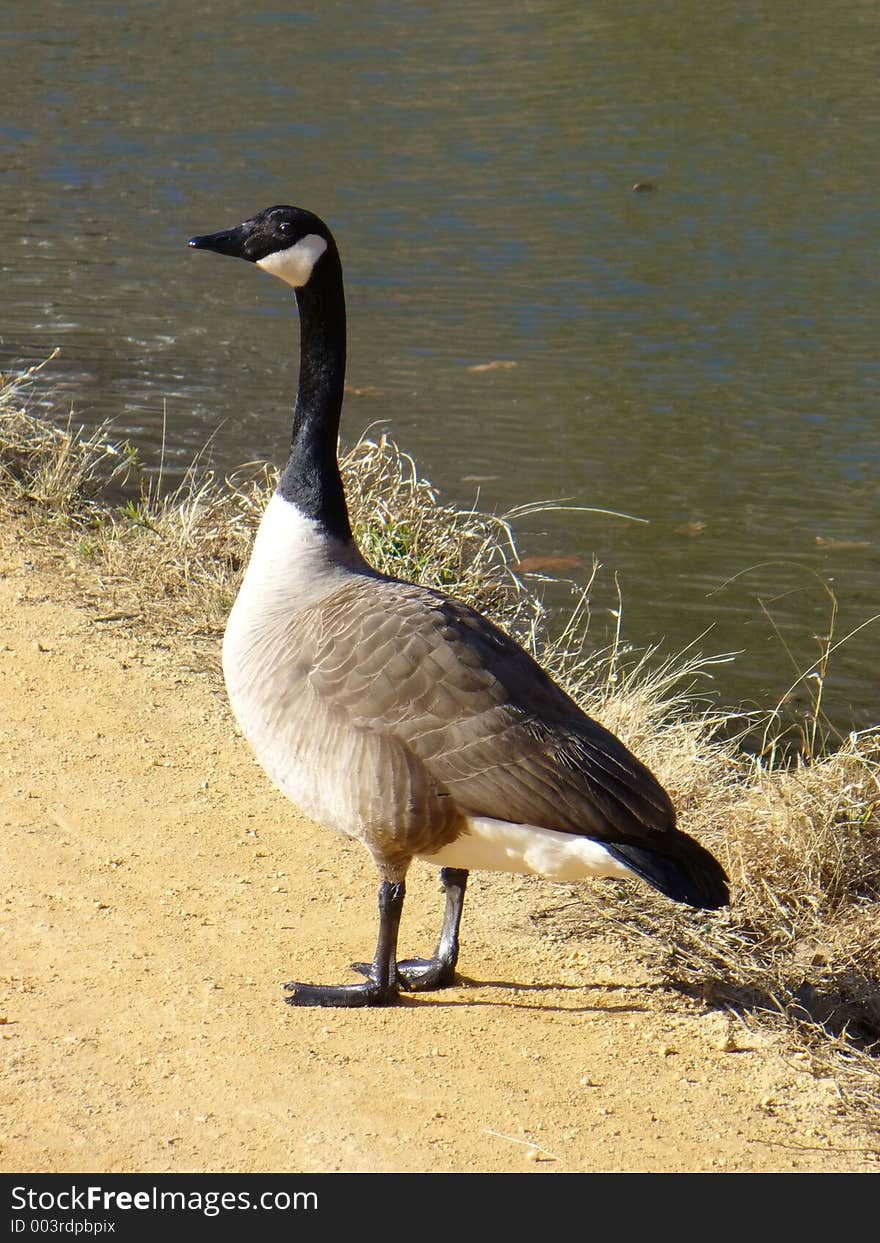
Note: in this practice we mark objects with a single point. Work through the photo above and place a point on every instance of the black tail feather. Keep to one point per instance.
(692, 875)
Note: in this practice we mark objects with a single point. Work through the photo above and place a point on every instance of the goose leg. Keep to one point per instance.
(418, 975)
(381, 985)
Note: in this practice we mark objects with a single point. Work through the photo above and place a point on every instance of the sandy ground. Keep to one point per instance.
(157, 891)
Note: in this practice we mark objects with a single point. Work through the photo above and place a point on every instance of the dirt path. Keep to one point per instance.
(156, 893)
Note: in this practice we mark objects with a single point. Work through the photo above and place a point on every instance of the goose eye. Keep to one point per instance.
(285, 227)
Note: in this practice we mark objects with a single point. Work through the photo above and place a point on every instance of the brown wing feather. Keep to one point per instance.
(488, 724)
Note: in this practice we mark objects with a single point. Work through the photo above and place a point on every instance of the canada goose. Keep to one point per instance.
(403, 718)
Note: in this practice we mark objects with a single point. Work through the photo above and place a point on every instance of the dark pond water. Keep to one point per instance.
(703, 355)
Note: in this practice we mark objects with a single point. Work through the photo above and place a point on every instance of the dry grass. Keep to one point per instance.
(799, 831)
(178, 556)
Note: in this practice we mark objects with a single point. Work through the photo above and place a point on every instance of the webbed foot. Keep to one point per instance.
(417, 975)
(370, 993)
(381, 987)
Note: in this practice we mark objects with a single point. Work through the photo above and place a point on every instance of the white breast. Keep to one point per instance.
(293, 566)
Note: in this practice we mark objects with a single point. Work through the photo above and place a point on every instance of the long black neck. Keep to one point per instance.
(311, 478)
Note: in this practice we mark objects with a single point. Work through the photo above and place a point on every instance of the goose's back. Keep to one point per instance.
(479, 712)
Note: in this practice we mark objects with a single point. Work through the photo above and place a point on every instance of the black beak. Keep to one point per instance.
(228, 242)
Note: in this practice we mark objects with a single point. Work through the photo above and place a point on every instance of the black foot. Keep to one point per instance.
(416, 975)
(381, 987)
(367, 994)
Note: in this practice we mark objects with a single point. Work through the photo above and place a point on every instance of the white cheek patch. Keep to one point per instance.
(294, 265)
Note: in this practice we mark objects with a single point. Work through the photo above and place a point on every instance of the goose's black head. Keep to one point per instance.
(287, 242)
